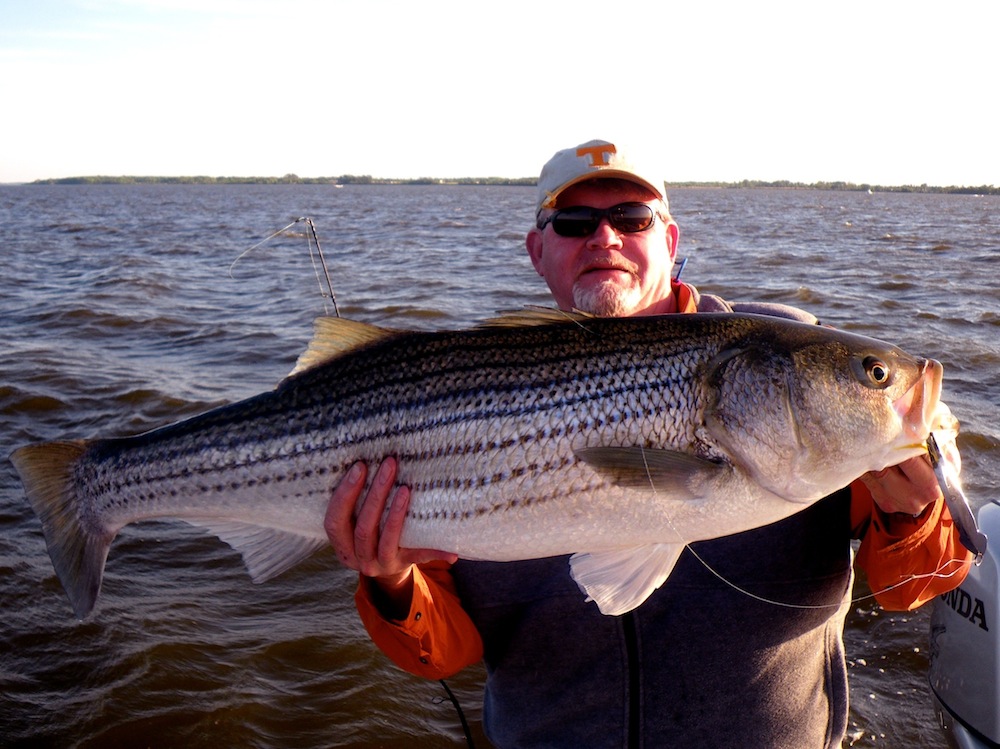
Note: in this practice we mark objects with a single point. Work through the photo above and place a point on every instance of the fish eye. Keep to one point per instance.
(877, 370)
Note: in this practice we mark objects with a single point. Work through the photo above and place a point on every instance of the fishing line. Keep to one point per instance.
(312, 237)
(938, 573)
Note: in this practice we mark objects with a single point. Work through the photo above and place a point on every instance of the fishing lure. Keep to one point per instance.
(951, 487)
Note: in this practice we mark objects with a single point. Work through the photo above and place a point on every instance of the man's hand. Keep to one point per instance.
(353, 525)
(907, 488)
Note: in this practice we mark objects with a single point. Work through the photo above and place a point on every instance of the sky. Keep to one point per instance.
(865, 91)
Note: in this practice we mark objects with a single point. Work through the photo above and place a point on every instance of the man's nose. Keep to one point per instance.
(605, 235)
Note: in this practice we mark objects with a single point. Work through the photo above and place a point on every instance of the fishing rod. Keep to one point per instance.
(318, 265)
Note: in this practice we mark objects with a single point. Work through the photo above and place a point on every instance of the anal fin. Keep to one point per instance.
(266, 552)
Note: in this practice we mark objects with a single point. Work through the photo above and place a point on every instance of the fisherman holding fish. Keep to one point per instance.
(701, 472)
(743, 644)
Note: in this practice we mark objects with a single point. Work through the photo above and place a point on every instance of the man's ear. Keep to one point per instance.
(673, 238)
(533, 243)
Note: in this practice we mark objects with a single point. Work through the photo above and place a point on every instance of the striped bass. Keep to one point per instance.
(542, 433)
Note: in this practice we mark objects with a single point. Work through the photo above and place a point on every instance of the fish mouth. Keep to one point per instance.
(918, 407)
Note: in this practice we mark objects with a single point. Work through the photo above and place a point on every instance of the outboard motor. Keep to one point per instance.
(965, 649)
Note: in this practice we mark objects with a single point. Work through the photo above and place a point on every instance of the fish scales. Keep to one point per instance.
(498, 431)
(410, 402)
(453, 389)
(558, 383)
(555, 412)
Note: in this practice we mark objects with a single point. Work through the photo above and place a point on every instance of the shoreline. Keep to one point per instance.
(353, 180)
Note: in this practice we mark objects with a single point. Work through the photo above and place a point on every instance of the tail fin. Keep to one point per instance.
(78, 551)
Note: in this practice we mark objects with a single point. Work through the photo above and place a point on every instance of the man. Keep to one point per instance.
(742, 645)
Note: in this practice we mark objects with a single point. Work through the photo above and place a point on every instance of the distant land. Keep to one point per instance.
(352, 179)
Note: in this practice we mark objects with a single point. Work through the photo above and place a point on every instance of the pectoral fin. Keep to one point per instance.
(677, 475)
(620, 580)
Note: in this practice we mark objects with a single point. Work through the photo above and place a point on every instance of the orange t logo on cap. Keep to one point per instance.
(598, 154)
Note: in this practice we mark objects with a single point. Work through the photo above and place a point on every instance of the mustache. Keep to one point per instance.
(611, 263)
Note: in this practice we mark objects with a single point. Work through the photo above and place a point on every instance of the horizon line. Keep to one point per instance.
(349, 179)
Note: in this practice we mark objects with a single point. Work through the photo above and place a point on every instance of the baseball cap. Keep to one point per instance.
(596, 158)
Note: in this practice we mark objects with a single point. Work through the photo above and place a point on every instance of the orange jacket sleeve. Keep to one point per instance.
(908, 560)
(437, 639)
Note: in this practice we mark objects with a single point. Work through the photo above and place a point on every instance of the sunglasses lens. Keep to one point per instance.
(576, 222)
(631, 217)
(582, 221)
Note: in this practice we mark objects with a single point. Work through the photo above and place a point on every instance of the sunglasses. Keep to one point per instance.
(582, 221)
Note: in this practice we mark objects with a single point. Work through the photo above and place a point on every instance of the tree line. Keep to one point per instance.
(288, 179)
(366, 179)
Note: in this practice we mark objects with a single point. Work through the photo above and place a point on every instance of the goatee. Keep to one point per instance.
(608, 299)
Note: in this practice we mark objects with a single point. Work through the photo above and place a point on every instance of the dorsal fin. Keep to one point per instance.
(334, 336)
(533, 316)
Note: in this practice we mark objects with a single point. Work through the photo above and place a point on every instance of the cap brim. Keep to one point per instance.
(552, 197)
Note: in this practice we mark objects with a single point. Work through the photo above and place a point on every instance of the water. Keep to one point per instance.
(119, 314)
